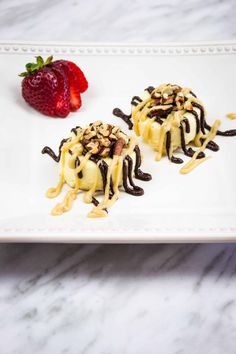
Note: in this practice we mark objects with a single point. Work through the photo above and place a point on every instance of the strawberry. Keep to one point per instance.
(83, 83)
(53, 88)
(75, 98)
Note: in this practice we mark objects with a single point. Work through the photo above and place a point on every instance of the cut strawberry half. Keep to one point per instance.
(62, 104)
(83, 83)
(75, 98)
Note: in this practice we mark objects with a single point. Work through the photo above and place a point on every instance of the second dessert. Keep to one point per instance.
(170, 117)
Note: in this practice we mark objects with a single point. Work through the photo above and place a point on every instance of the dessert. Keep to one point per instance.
(170, 117)
(97, 159)
(53, 87)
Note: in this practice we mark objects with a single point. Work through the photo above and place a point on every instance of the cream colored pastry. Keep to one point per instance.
(90, 170)
(170, 117)
(99, 158)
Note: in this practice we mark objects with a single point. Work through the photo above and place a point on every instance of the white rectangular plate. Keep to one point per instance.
(198, 207)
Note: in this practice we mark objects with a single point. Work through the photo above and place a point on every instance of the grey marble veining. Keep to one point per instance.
(130, 299)
(117, 299)
(117, 20)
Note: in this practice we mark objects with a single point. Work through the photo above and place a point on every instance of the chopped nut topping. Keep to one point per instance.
(105, 142)
(105, 152)
(93, 147)
(100, 139)
(167, 98)
(119, 146)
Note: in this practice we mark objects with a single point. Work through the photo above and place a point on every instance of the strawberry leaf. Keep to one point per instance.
(33, 67)
(24, 74)
(40, 61)
(48, 60)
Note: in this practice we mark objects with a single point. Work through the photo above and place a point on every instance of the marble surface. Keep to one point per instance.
(117, 299)
(118, 20)
(131, 299)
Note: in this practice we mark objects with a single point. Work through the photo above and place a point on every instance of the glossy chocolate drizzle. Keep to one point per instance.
(136, 100)
(126, 118)
(188, 152)
(127, 175)
(149, 89)
(96, 203)
(103, 167)
(194, 113)
(231, 132)
(137, 172)
(187, 125)
(168, 144)
(202, 116)
(77, 163)
(51, 153)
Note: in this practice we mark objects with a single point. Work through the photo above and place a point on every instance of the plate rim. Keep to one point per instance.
(24, 234)
(118, 48)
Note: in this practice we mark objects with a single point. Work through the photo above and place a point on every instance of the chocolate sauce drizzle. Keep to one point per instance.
(51, 153)
(77, 163)
(194, 113)
(95, 158)
(96, 203)
(168, 143)
(137, 172)
(126, 118)
(187, 125)
(103, 167)
(211, 145)
(188, 152)
(135, 99)
(193, 94)
(202, 116)
(127, 174)
(74, 130)
(231, 132)
(160, 113)
(149, 89)
(111, 189)
(158, 120)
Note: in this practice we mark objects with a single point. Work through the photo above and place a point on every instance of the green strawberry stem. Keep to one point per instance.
(31, 68)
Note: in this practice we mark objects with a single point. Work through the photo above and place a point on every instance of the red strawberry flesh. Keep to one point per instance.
(62, 104)
(75, 98)
(82, 81)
